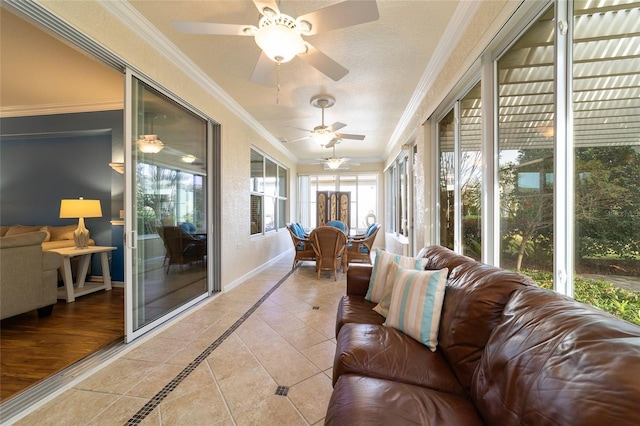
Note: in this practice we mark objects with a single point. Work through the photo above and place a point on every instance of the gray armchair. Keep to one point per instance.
(28, 275)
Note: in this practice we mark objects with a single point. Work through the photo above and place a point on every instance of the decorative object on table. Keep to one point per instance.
(80, 209)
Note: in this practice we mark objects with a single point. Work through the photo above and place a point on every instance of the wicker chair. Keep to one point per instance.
(301, 244)
(359, 247)
(329, 244)
(181, 247)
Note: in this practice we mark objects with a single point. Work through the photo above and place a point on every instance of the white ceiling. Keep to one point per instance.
(386, 60)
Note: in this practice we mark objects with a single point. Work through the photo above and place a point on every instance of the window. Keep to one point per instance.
(268, 185)
(460, 154)
(561, 192)
(398, 177)
(363, 191)
(526, 148)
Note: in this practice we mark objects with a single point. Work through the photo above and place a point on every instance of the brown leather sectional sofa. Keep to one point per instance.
(509, 353)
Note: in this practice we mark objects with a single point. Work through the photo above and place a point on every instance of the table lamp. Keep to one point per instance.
(80, 208)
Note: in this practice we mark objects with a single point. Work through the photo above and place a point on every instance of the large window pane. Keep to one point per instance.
(470, 174)
(606, 105)
(446, 140)
(170, 198)
(268, 184)
(525, 148)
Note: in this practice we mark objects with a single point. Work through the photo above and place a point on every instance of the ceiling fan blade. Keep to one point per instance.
(348, 136)
(189, 27)
(323, 63)
(263, 69)
(298, 139)
(340, 15)
(331, 143)
(261, 4)
(337, 126)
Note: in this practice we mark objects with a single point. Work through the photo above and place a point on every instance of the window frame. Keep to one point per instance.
(276, 194)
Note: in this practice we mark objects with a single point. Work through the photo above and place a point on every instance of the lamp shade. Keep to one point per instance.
(150, 144)
(279, 42)
(322, 136)
(334, 163)
(76, 208)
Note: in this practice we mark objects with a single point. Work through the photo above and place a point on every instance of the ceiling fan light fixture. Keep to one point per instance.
(334, 163)
(188, 158)
(150, 144)
(279, 39)
(322, 136)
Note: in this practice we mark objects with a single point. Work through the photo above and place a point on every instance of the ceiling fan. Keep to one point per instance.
(337, 163)
(280, 35)
(327, 136)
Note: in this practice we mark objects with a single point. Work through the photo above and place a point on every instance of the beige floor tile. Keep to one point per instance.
(119, 377)
(200, 379)
(321, 354)
(247, 389)
(289, 368)
(150, 385)
(302, 338)
(273, 411)
(157, 349)
(311, 397)
(204, 406)
(182, 331)
(119, 412)
(231, 357)
(188, 353)
(79, 408)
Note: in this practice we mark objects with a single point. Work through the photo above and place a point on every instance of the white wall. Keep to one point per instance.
(237, 136)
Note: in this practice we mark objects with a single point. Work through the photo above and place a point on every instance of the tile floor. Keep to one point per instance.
(229, 358)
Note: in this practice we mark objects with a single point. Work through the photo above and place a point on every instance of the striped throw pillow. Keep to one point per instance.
(416, 304)
(378, 281)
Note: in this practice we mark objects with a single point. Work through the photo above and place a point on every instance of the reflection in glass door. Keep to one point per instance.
(167, 222)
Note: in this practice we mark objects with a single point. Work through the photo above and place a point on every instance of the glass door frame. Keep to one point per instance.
(131, 238)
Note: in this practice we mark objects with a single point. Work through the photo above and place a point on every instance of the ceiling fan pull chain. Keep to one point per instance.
(277, 83)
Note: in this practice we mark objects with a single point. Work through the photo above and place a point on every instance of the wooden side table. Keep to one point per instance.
(72, 290)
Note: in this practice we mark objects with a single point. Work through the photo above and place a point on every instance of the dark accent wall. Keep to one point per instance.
(44, 159)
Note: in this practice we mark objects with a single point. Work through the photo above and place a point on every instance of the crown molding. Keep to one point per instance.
(137, 23)
(462, 16)
(61, 108)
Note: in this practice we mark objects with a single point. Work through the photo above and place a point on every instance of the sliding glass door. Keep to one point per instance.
(166, 228)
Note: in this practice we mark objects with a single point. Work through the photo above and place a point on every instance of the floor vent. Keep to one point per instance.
(282, 390)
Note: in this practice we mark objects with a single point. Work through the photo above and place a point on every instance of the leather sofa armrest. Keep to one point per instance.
(358, 277)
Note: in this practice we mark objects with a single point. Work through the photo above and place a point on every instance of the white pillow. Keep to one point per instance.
(416, 304)
(381, 266)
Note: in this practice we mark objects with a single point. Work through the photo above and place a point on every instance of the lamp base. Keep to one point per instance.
(81, 235)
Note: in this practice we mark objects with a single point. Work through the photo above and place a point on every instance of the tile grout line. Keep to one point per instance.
(143, 412)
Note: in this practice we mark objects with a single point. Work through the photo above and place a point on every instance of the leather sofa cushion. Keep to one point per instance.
(355, 309)
(473, 303)
(556, 361)
(386, 353)
(359, 400)
(439, 257)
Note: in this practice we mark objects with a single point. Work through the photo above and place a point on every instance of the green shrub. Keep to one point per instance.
(622, 303)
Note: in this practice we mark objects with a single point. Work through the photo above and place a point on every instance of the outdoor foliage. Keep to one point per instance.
(622, 303)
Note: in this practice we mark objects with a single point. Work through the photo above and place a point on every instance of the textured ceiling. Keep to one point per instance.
(386, 60)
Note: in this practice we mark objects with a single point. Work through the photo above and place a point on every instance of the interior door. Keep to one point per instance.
(166, 207)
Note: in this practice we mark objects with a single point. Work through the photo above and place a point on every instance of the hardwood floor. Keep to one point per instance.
(33, 348)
